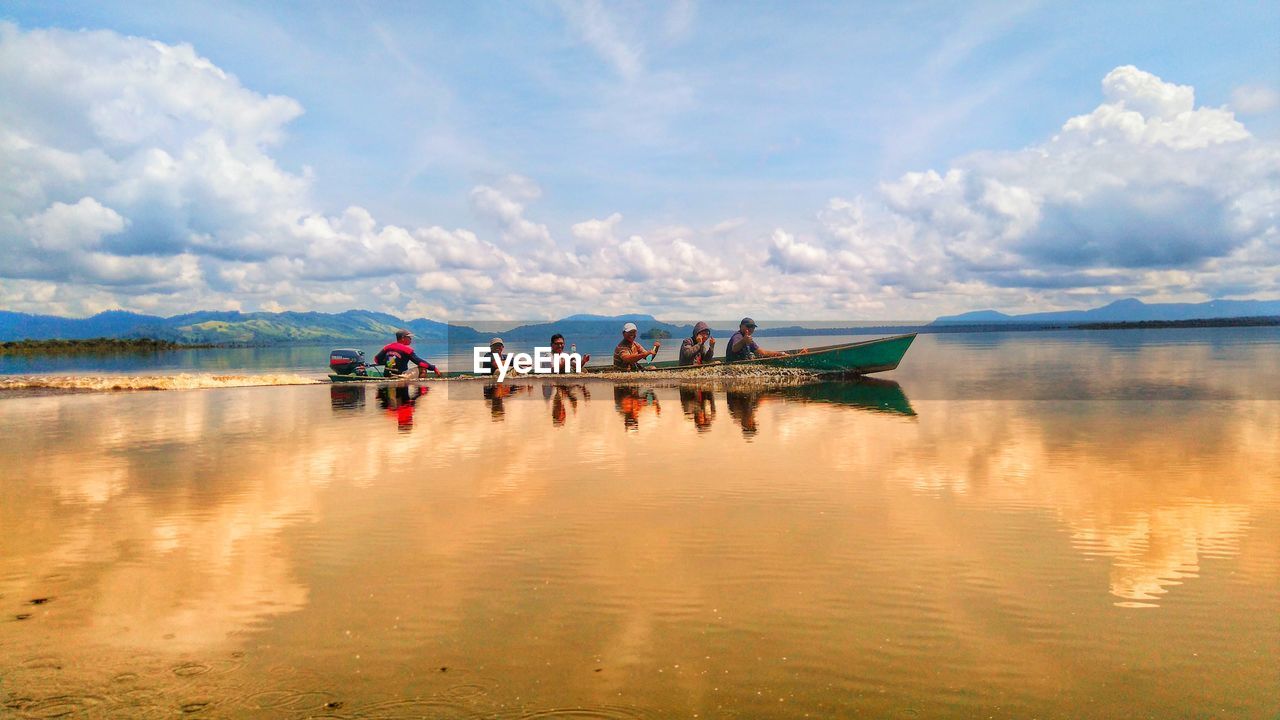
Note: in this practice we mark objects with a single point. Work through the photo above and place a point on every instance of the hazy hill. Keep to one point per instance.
(265, 328)
(1128, 310)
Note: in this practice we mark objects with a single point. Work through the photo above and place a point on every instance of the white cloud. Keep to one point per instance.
(1143, 184)
(596, 27)
(138, 174)
(790, 255)
(594, 234)
(63, 228)
(1254, 99)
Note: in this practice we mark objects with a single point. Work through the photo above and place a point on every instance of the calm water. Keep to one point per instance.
(1034, 525)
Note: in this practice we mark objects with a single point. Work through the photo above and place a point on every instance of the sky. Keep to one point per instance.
(812, 161)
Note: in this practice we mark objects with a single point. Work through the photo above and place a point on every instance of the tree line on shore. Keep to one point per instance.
(101, 345)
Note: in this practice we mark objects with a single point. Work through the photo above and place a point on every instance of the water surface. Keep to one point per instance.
(1097, 535)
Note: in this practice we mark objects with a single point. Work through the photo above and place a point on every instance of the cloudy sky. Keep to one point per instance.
(529, 160)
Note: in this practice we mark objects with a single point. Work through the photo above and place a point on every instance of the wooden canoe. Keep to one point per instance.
(857, 358)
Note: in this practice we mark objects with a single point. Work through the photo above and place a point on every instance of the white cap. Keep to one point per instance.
(496, 341)
(629, 327)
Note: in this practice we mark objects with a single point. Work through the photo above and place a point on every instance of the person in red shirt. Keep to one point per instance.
(396, 356)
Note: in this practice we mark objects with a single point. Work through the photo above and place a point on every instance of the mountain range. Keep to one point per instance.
(1128, 310)
(263, 328)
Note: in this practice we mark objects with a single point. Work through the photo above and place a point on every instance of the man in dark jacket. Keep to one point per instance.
(698, 348)
(396, 356)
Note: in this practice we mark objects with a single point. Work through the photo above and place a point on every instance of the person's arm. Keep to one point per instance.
(381, 357)
(708, 349)
(636, 356)
(735, 346)
(420, 362)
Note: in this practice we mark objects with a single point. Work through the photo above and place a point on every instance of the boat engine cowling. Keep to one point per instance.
(345, 361)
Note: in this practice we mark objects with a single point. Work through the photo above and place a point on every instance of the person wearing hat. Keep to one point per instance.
(628, 354)
(496, 347)
(697, 349)
(396, 356)
(742, 346)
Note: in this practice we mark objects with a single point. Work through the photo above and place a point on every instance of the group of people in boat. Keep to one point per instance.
(629, 354)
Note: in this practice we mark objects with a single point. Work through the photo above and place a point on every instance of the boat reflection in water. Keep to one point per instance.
(698, 400)
(346, 398)
(884, 396)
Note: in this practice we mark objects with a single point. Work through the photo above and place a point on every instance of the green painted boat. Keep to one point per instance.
(858, 358)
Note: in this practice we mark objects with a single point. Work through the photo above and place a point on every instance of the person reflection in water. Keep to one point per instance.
(742, 406)
(399, 401)
(699, 405)
(629, 401)
(559, 394)
(497, 393)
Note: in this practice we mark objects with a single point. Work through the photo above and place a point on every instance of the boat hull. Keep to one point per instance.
(860, 358)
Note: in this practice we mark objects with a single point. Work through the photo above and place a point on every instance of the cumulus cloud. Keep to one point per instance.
(1254, 99)
(138, 174)
(1145, 182)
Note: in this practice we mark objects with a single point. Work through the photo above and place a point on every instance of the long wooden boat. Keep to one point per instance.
(858, 358)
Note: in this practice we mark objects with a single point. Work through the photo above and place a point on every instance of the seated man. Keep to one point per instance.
(496, 346)
(557, 348)
(628, 354)
(698, 348)
(742, 346)
(396, 356)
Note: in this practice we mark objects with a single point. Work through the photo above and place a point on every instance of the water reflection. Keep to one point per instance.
(873, 394)
(742, 406)
(497, 394)
(346, 397)
(699, 405)
(630, 401)
(400, 402)
(564, 396)
(855, 538)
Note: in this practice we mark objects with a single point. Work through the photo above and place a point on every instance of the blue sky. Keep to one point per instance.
(533, 159)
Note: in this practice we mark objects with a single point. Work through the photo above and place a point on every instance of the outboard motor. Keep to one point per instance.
(346, 362)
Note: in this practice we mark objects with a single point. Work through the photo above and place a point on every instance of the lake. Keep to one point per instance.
(1010, 525)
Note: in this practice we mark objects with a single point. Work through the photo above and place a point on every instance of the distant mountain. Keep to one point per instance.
(1128, 310)
(113, 323)
(235, 328)
(265, 328)
(577, 327)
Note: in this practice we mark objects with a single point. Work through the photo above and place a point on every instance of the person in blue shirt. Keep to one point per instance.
(742, 346)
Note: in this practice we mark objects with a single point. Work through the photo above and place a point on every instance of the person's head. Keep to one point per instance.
(496, 345)
(404, 336)
(747, 325)
(701, 331)
(629, 331)
(557, 343)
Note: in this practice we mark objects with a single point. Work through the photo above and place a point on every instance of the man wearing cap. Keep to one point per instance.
(496, 355)
(396, 356)
(742, 346)
(628, 354)
(698, 348)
